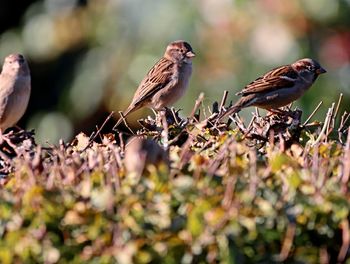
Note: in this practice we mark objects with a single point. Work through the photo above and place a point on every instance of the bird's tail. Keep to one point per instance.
(118, 123)
(123, 115)
(243, 102)
(234, 109)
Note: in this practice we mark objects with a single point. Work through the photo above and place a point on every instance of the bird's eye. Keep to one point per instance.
(182, 50)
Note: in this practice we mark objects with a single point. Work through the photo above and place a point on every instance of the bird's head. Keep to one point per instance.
(308, 68)
(179, 51)
(15, 63)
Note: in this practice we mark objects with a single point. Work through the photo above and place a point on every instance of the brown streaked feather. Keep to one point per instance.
(271, 81)
(157, 78)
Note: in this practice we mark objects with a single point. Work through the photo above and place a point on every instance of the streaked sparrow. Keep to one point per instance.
(14, 90)
(278, 87)
(140, 152)
(167, 80)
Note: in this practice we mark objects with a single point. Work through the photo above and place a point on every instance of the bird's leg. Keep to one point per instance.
(171, 116)
(174, 113)
(167, 112)
(158, 115)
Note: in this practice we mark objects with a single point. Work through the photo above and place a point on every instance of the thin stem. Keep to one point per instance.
(313, 113)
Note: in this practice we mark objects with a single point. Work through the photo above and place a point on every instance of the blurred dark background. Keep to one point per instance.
(88, 56)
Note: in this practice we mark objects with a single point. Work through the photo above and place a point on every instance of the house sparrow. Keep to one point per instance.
(14, 90)
(278, 87)
(140, 152)
(167, 80)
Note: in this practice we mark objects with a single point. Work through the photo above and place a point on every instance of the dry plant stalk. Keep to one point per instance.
(222, 178)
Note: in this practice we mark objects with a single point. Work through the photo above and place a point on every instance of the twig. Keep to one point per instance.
(197, 104)
(337, 109)
(98, 131)
(122, 117)
(214, 125)
(184, 156)
(324, 128)
(251, 122)
(238, 124)
(343, 121)
(346, 164)
(223, 101)
(229, 191)
(257, 111)
(253, 172)
(207, 143)
(125, 123)
(229, 120)
(122, 144)
(240, 121)
(118, 162)
(204, 112)
(92, 135)
(209, 110)
(99, 134)
(346, 241)
(13, 146)
(221, 155)
(313, 113)
(176, 138)
(330, 123)
(287, 242)
(174, 115)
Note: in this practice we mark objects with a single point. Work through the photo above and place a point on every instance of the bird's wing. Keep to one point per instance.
(281, 77)
(6, 88)
(156, 79)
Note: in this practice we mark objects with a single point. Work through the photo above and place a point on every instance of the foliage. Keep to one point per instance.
(227, 197)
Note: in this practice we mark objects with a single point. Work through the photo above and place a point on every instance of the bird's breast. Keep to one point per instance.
(175, 90)
(16, 103)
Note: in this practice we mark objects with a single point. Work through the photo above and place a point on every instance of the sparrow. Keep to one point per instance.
(15, 90)
(278, 87)
(166, 81)
(140, 152)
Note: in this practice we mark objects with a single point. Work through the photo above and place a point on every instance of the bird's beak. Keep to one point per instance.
(320, 70)
(190, 54)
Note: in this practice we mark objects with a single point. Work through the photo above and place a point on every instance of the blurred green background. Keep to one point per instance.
(87, 57)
